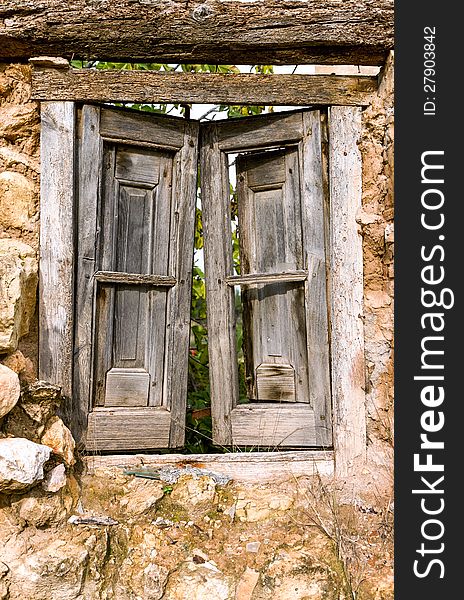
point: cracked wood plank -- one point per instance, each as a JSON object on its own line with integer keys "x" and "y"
{"x": 252, "y": 467}
{"x": 56, "y": 245}
{"x": 348, "y": 358}
{"x": 90, "y": 85}
{"x": 214, "y": 31}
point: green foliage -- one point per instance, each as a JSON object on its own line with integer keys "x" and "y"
{"x": 242, "y": 111}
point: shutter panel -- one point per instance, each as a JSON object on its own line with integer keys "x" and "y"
{"x": 280, "y": 197}
{"x": 268, "y": 190}
{"x": 136, "y": 211}
{"x": 131, "y": 318}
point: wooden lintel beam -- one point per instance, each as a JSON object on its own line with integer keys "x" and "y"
{"x": 134, "y": 279}
{"x": 90, "y": 85}
{"x": 200, "y": 31}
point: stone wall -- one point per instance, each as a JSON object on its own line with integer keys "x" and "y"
{"x": 184, "y": 536}
{"x": 376, "y": 222}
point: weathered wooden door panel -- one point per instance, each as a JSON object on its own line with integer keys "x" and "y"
{"x": 136, "y": 211}
{"x": 134, "y": 239}
{"x": 283, "y": 279}
{"x": 269, "y": 205}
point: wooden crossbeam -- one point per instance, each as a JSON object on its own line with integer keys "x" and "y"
{"x": 348, "y": 32}
{"x": 91, "y": 85}
{"x": 134, "y": 279}
{"x": 255, "y": 278}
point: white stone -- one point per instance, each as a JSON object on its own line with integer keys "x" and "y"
{"x": 41, "y": 400}
{"x": 55, "y": 479}
{"x": 154, "y": 580}
{"x": 260, "y": 505}
{"x": 41, "y": 510}
{"x": 141, "y": 496}
{"x": 10, "y": 390}
{"x": 21, "y": 463}
{"x": 365, "y": 218}
{"x": 4, "y": 593}
{"x": 390, "y": 233}
{"x": 198, "y": 582}
{"x": 253, "y": 546}
{"x": 377, "y": 299}
{"x": 54, "y": 571}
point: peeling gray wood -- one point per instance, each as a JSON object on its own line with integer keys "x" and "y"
{"x": 127, "y": 387}
{"x": 126, "y": 126}
{"x": 56, "y": 306}
{"x": 256, "y": 278}
{"x": 254, "y": 133}
{"x": 274, "y": 178}
{"x": 314, "y": 244}
{"x": 348, "y": 359}
{"x": 104, "y": 295}
{"x": 89, "y": 156}
{"x": 128, "y": 429}
{"x": 136, "y": 211}
{"x": 219, "y": 296}
{"x": 212, "y": 31}
{"x": 273, "y": 426}
{"x": 250, "y": 467}
{"x": 270, "y": 225}
{"x": 135, "y": 229}
{"x": 88, "y": 85}
{"x": 135, "y": 278}
{"x": 276, "y": 382}
{"x": 184, "y": 186}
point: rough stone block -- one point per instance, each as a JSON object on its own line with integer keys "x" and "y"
{"x": 9, "y": 390}
{"x": 21, "y": 464}
{"x": 18, "y": 201}
{"x": 18, "y": 284}
{"x": 60, "y": 440}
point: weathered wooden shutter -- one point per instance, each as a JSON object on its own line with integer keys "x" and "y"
{"x": 136, "y": 204}
{"x": 283, "y": 279}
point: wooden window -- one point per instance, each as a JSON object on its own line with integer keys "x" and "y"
{"x": 128, "y": 181}
{"x": 283, "y": 279}
{"x": 136, "y": 198}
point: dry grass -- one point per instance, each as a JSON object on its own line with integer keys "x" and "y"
{"x": 361, "y": 532}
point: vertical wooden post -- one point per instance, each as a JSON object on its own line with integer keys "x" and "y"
{"x": 89, "y": 156}
{"x": 220, "y": 297}
{"x": 56, "y": 244}
{"x": 348, "y": 361}
{"x": 316, "y": 288}
{"x": 186, "y": 169}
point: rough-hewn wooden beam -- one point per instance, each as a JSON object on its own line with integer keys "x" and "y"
{"x": 151, "y": 86}
{"x": 252, "y": 467}
{"x": 346, "y": 258}
{"x": 135, "y": 279}
{"x": 212, "y": 31}
{"x": 56, "y": 245}
{"x": 254, "y": 278}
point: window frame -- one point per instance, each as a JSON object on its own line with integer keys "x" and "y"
{"x": 57, "y": 258}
